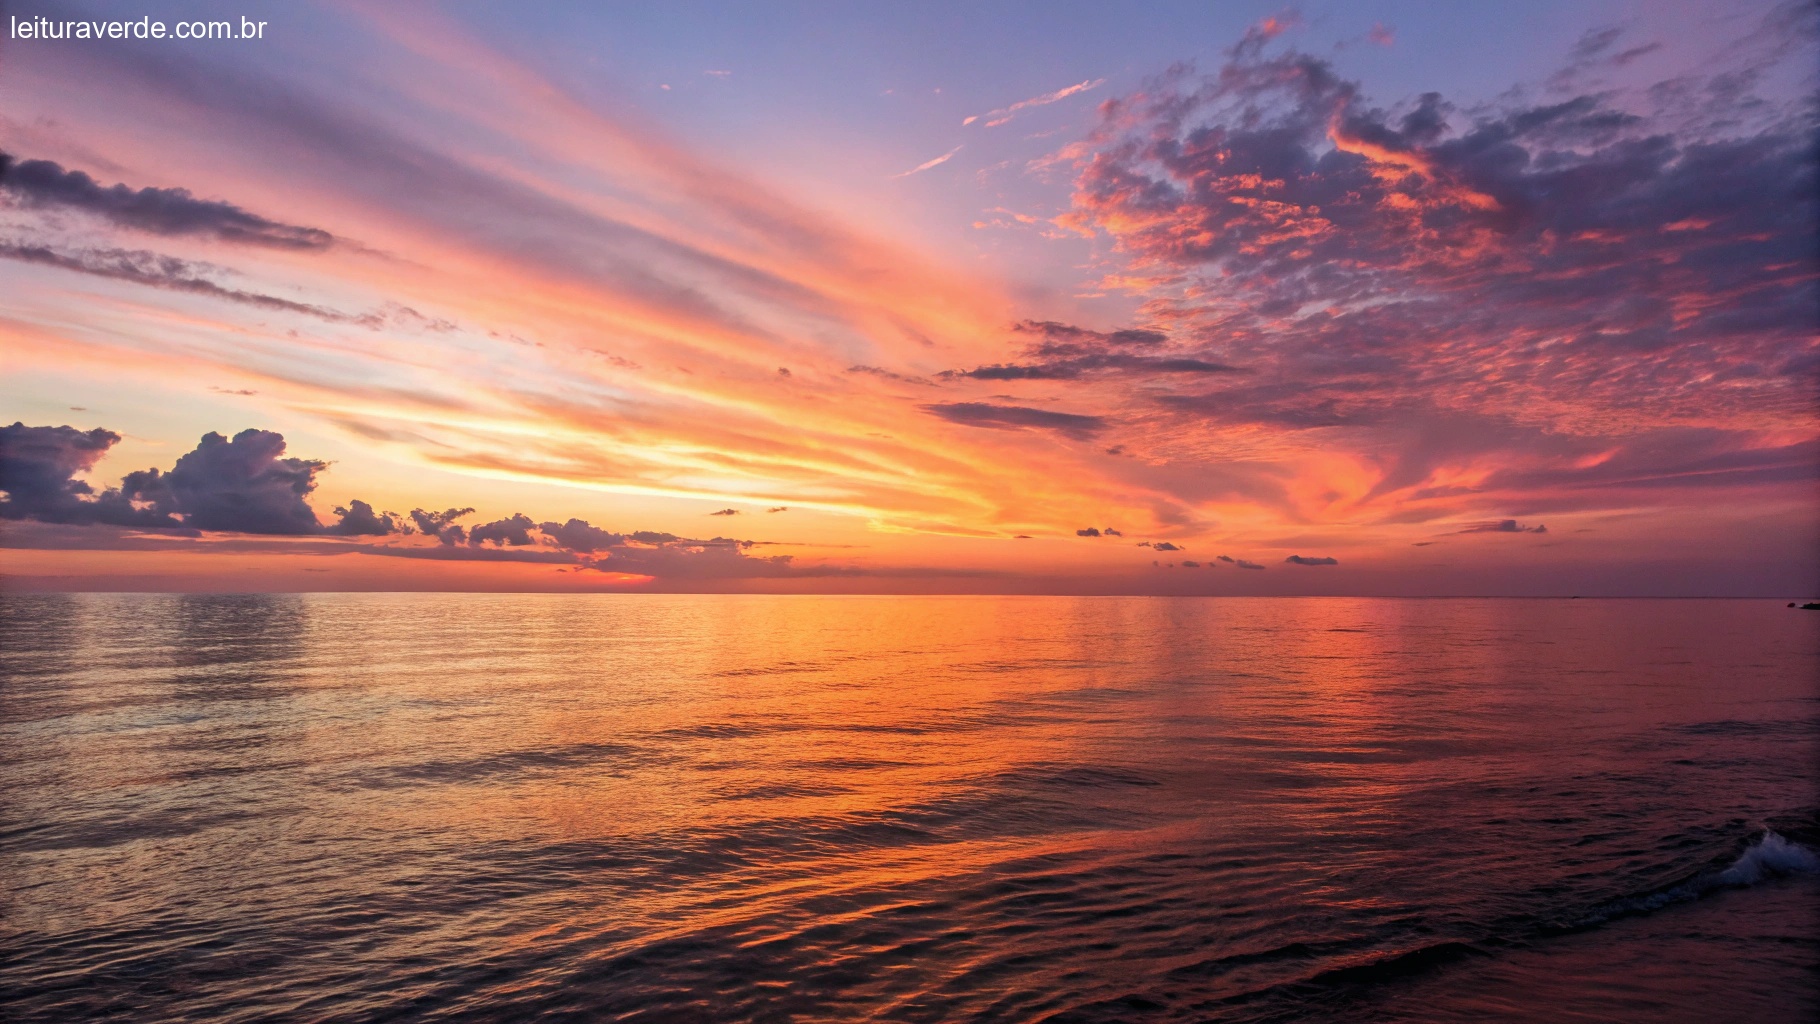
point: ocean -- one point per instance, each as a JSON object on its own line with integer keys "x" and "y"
{"x": 477, "y": 808}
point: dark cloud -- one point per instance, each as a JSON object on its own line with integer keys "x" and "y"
{"x": 240, "y": 485}
{"x": 442, "y": 525}
{"x": 1069, "y": 369}
{"x": 1504, "y": 526}
{"x": 1163, "y": 545}
{"x": 1065, "y": 352}
{"x": 726, "y": 512}
{"x": 1017, "y": 417}
{"x": 1527, "y": 285}
{"x": 359, "y": 520}
{"x": 248, "y": 485}
{"x": 158, "y": 211}
{"x": 1190, "y": 564}
{"x": 38, "y": 466}
{"x": 778, "y": 508}
{"x": 878, "y": 371}
{"x": 579, "y": 536}
{"x": 1091, "y": 531}
{"x": 512, "y": 531}
{"x": 169, "y": 273}
{"x": 1110, "y": 532}
{"x": 1240, "y": 562}
{"x": 1306, "y": 560}
{"x": 1055, "y": 337}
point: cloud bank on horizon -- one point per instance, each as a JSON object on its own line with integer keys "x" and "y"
{"x": 1400, "y": 332}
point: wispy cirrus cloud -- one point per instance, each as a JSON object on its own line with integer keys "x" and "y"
{"x": 1004, "y": 115}
{"x": 927, "y": 164}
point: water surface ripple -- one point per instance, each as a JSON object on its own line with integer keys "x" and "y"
{"x": 644, "y": 808}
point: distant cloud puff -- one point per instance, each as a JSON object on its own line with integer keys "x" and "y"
{"x": 1306, "y": 560}
{"x": 441, "y": 525}
{"x": 1163, "y": 545}
{"x": 726, "y": 512}
{"x": 1505, "y": 526}
{"x": 513, "y": 531}
{"x": 1091, "y": 531}
{"x": 358, "y": 519}
{"x": 579, "y": 536}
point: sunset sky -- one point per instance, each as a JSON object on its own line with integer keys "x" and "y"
{"x": 1223, "y": 298}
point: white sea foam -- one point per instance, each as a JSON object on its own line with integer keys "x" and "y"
{"x": 1771, "y": 856}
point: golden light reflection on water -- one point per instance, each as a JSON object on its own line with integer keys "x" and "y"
{"x": 839, "y": 808}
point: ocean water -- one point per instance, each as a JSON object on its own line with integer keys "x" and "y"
{"x": 804, "y": 809}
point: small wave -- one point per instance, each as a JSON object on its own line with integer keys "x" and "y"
{"x": 1770, "y": 855}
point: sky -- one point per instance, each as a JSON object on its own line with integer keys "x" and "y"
{"x": 1212, "y": 298}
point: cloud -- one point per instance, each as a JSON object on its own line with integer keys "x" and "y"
{"x": 1189, "y": 564}
{"x": 726, "y": 512}
{"x": 157, "y": 211}
{"x": 243, "y": 485}
{"x": 1534, "y": 289}
{"x": 442, "y": 525}
{"x": 1240, "y": 562}
{"x": 1016, "y": 417}
{"x": 38, "y": 466}
{"x": 1068, "y": 369}
{"x": 579, "y": 536}
{"x": 1306, "y": 560}
{"x": 1504, "y": 526}
{"x": 778, "y": 508}
{"x": 877, "y": 371}
{"x": 1065, "y": 352}
{"x": 927, "y": 164}
{"x": 247, "y": 485}
{"x": 1163, "y": 545}
{"x": 155, "y": 270}
{"x": 1004, "y": 114}
{"x": 1091, "y": 531}
{"x": 1056, "y": 337}
{"x": 1110, "y": 532}
{"x": 512, "y": 531}
{"x": 358, "y": 519}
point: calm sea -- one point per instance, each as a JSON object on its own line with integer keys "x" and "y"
{"x": 805, "y": 809}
